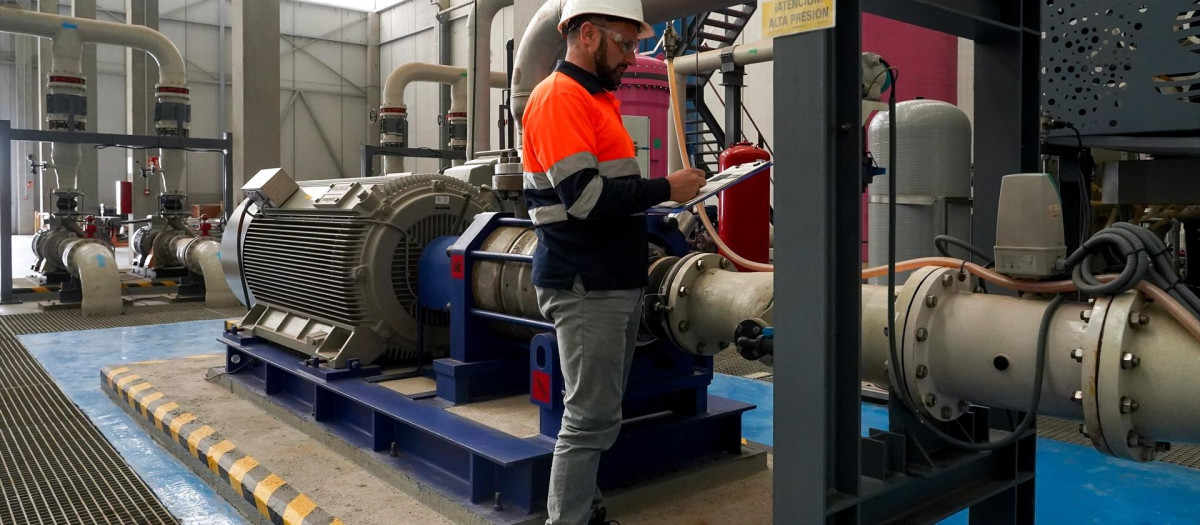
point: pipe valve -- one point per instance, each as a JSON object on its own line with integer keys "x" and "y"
{"x": 754, "y": 339}
{"x": 205, "y": 226}
{"x": 89, "y": 230}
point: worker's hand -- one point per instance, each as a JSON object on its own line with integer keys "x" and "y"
{"x": 685, "y": 184}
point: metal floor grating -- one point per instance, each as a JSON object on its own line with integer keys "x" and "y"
{"x": 55, "y": 466}
{"x": 729, "y": 362}
{"x": 71, "y": 320}
{"x": 1067, "y": 431}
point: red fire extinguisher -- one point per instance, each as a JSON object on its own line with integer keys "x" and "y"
{"x": 745, "y": 209}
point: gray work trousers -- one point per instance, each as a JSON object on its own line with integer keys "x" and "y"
{"x": 597, "y": 331}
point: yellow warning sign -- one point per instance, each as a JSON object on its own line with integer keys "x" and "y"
{"x": 787, "y": 17}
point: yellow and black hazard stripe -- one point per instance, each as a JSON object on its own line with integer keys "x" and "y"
{"x": 128, "y": 284}
{"x": 147, "y": 284}
{"x": 277, "y": 501}
{"x": 38, "y": 289}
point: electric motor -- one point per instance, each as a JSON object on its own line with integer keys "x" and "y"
{"x": 331, "y": 270}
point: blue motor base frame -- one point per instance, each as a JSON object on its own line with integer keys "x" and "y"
{"x": 494, "y": 474}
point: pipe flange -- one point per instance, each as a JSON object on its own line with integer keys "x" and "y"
{"x": 923, "y": 325}
{"x": 1088, "y": 372}
{"x": 163, "y": 247}
{"x": 656, "y": 313}
{"x": 184, "y": 254}
{"x": 1117, "y": 367}
{"x": 69, "y": 249}
{"x": 679, "y": 283}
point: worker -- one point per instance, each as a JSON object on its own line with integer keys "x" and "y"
{"x": 587, "y": 198}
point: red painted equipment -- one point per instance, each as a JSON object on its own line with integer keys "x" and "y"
{"x": 745, "y": 211}
{"x": 124, "y": 197}
{"x": 89, "y": 230}
{"x": 204, "y": 226}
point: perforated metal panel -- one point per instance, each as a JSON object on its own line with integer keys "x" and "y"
{"x": 1122, "y": 67}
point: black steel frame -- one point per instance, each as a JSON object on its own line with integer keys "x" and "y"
{"x": 369, "y": 152}
{"x": 824, "y": 471}
{"x": 8, "y": 135}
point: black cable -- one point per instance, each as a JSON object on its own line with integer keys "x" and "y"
{"x": 941, "y": 242}
{"x": 1086, "y": 165}
{"x": 897, "y": 369}
{"x": 249, "y": 361}
{"x": 893, "y": 121}
{"x": 1145, "y": 257}
{"x": 1030, "y": 414}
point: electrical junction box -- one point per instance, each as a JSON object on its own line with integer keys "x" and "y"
{"x": 1030, "y": 242}
{"x": 270, "y": 188}
{"x": 478, "y": 171}
{"x": 639, "y": 131}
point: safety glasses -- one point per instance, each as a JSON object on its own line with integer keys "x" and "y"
{"x": 623, "y": 42}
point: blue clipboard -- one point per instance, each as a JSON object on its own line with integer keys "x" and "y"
{"x": 715, "y": 184}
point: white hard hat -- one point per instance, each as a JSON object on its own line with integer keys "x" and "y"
{"x": 627, "y": 9}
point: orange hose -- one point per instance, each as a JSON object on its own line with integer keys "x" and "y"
{"x": 682, "y": 139}
{"x": 1168, "y": 303}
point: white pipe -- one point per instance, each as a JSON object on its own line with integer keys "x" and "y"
{"x": 543, "y": 45}
{"x": 65, "y": 158}
{"x": 202, "y": 255}
{"x": 700, "y": 63}
{"x": 743, "y": 55}
{"x": 479, "y": 105}
{"x": 96, "y": 267}
{"x": 171, "y": 70}
{"x": 68, "y": 33}
{"x": 457, "y": 77}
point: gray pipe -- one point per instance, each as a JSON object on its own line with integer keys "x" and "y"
{"x": 696, "y": 64}
{"x": 542, "y": 45}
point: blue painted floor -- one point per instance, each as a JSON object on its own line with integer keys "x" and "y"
{"x": 74, "y": 359}
{"x": 1075, "y": 484}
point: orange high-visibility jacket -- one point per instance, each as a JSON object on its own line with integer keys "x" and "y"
{"x": 583, "y": 187}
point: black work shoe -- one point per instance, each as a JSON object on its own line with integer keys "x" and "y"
{"x": 598, "y": 517}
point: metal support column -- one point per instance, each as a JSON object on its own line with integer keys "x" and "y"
{"x": 141, "y": 74}
{"x": 733, "y": 78}
{"x": 817, "y": 411}
{"x": 824, "y": 472}
{"x": 374, "y": 77}
{"x": 6, "y": 216}
{"x": 255, "y": 88}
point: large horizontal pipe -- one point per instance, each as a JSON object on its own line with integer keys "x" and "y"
{"x": 700, "y": 63}
{"x": 171, "y": 70}
{"x": 543, "y": 45}
{"x": 456, "y": 77}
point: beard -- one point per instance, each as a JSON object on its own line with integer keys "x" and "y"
{"x": 609, "y": 77}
